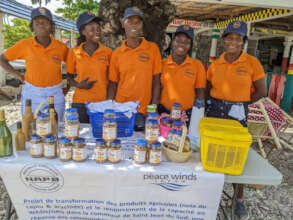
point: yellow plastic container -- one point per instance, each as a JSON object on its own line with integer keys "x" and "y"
{"x": 224, "y": 145}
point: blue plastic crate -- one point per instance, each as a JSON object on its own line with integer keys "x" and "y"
{"x": 125, "y": 125}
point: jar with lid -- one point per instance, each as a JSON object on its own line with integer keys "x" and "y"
{"x": 176, "y": 111}
{"x": 65, "y": 149}
{"x": 79, "y": 151}
{"x": 177, "y": 137}
{"x": 101, "y": 151}
{"x": 170, "y": 136}
{"x": 153, "y": 116}
{"x": 70, "y": 111}
{"x": 109, "y": 113}
{"x": 36, "y": 146}
{"x": 177, "y": 125}
{"x": 166, "y": 122}
{"x": 115, "y": 151}
{"x": 71, "y": 127}
{"x": 43, "y": 125}
{"x": 140, "y": 151}
{"x": 152, "y": 131}
{"x": 155, "y": 153}
{"x": 109, "y": 129}
{"x": 50, "y": 149}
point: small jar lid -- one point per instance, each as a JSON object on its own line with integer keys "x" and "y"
{"x": 156, "y": 145}
{"x": 36, "y": 137}
{"x": 50, "y": 138}
{"x": 179, "y": 132}
{"x": 71, "y": 110}
{"x": 152, "y": 122}
{"x": 177, "y": 123}
{"x": 115, "y": 143}
{"x": 72, "y": 118}
{"x": 109, "y": 111}
{"x": 165, "y": 120}
{"x": 79, "y": 141}
{"x": 64, "y": 140}
{"x": 175, "y": 104}
{"x": 100, "y": 142}
{"x": 141, "y": 142}
{"x": 43, "y": 115}
{"x": 153, "y": 115}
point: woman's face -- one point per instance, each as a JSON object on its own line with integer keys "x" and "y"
{"x": 133, "y": 27}
{"x": 233, "y": 43}
{"x": 42, "y": 27}
{"x": 92, "y": 32}
{"x": 181, "y": 44}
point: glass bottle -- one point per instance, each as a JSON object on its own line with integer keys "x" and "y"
{"x": 6, "y": 148}
{"x": 19, "y": 138}
{"x": 27, "y": 119}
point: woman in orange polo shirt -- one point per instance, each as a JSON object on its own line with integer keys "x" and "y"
{"x": 230, "y": 79}
{"x": 89, "y": 61}
{"x": 183, "y": 78}
{"x": 43, "y": 56}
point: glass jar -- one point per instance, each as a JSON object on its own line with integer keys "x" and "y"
{"x": 177, "y": 125}
{"x": 109, "y": 129}
{"x": 43, "y": 125}
{"x": 79, "y": 151}
{"x": 170, "y": 136}
{"x": 140, "y": 151}
{"x": 109, "y": 113}
{"x": 71, "y": 128}
{"x": 101, "y": 152}
{"x": 155, "y": 153}
{"x": 152, "y": 131}
{"x": 176, "y": 111}
{"x": 50, "y": 149}
{"x": 70, "y": 111}
{"x": 65, "y": 149}
{"x": 177, "y": 138}
{"x": 115, "y": 151}
{"x": 166, "y": 122}
{"x": 36, "y": 146}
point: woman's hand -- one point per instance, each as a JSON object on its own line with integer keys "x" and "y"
{"x": 86, "y": 84}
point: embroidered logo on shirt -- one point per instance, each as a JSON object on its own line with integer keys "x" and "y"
{"x": 102, "y": 59}
{"x": 241, "y": 71}
{"x": 56, "y": 58}
{"x": 189, "y": 72}
{"x": 144, "y": 57}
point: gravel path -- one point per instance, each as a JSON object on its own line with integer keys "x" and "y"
{"x": 269, "y": 203}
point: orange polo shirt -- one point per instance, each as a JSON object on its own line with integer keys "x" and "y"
{"x": 232, "y": 82}
{"x": 94, "y": 67}
{"x": 180, "y": 81}
{"x": 43, "y": 65}
{"x": 133, "y": 70}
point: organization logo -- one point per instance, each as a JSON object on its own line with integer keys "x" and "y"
{"x": 236, "y": 25}
{"x": 41, "y": 177}
{"x": 144, "y": 57}
{"x": 189, "y": 72}
{"x": 242, "y": 71}
{"x": 171, "y": 182}
{"x": 42, "y": 10}
{"x": 56, "y": 58}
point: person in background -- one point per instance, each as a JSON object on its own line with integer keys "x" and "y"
{"x": 135, "y": 67}
{"x": 43, "y": 56}
{"x": 89, "y": 63}
{"x": 183, "y": 78}
{"x": 230, "y": 79}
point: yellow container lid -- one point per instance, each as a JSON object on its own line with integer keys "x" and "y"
{"x": 219, "y": 122}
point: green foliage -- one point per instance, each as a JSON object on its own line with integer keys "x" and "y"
{"x": 39, "y": 2}
{"x": 73, "y": 8}
{"x": 13, "y": 33}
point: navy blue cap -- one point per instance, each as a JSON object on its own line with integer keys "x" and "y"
{"x": 100, "y": 142}
{"x": 133, "y": 11}
{"x": 186, "y": 29}
{"x": 50, "y": 138}
{"x": 41, "y": 11}
{"x": 156, "y": 145}
{"x": 141, "y": 142}
{"x": 177, "y": 123}
{"x": 85, "y": 18}
{"x": 237, "y": 27}
{"x": 79, "y": 141}
{"x": 64, "y": 140}
{"x": 115, "y": 143}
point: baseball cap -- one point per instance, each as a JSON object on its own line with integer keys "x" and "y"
{"x": 132, "y": 12}
{"x": 237, "y": 27}
{"x": 85, "y": 18}
{"x": 41, "y": 11}
{"x": 186, "y": 29}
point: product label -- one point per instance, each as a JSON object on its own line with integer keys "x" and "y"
{"x": 49, "y": 150}
{"x": 36, "y": 149}
{"x": 155, "y": 157}
{"x": 43, "y": 129}
{"x": 79, "y": 154}
{"x": 115, "y": 155}
{"x": 72, "y": 131}
{"x": 65, "y": 153}
{"x": 152, "y": 133}
{"x": 100, "y": 154}
{"x": 109, "y": 133}
{"x": 176, "y": 114}
{"x": 139, "y": 156}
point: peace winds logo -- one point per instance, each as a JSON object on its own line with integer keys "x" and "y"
{"x": 171, "y": 182}
{"x": 42, "y": 10}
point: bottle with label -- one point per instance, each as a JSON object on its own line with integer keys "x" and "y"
{"x": 6, "y": 148}
{"x": 19, "y": 138}
{"x": 176, "y": 111}
{"x": 53, "y": 121}
{"x": 43, "y": 125}
{"x": 27, "y": 119}
{"x": 51, "y": 106}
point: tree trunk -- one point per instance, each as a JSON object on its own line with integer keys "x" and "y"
{"x": 157, "y": 15}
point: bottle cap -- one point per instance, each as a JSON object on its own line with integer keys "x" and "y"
{"x": 156, "y": 145}
{"x": 109, "y": 111}
{"x": 19, "y": 125}
{"x": 35, "y": 137}
{"x": 28, "y": 102}
{"x": 141, "y": 142}
{"x": 153, "y": 115}
{"x": 71, "y": 110}
{"x": 152, "y": 122}
{"x": 100, "y": 142}
{"x": 72, "y": 118}
{"x": 165, "y": 120}
{"x": 79, "y": 141}
{"x": 115, "y": 143}
{"x": 64, "y": 140}
{"x": 177, "y": 105}
{"x": 50, "y": 138}
{"x": 177, "y": 123}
